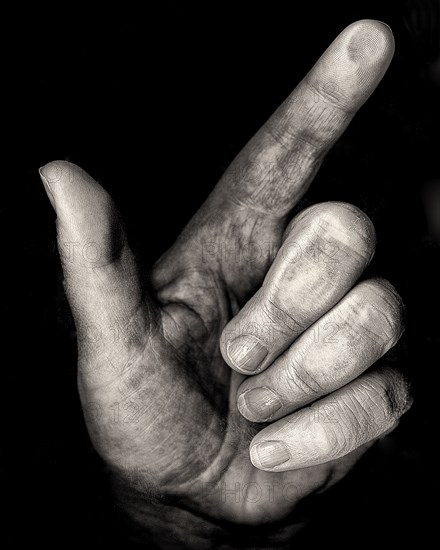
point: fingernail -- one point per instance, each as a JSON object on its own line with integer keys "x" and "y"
{"x": 258, "y": 404}
{"x": 387, "y": 26}
{"x": 272, "y": 453}
{"x": 246, "y": 352}
{"x": 46, "y": 186}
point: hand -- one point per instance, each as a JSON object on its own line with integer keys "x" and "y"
{"x": 234, "y": 382}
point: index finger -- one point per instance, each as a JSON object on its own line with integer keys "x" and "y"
{"x": 275, "y": 168}
{"x": 239, "y": 228}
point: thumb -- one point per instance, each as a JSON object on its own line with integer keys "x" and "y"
{"x": 101, "y": 278}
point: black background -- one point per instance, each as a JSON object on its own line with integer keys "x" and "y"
{"x": 155, "y": 107}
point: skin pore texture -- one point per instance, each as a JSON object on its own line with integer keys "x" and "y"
{"x": 222, "y": 370}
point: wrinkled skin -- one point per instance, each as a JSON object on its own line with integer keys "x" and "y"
{"x": 158, "y": 386}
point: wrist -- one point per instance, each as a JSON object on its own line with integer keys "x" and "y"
{"x": 148, "y": 518}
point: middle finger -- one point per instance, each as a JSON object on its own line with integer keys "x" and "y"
{"x": 326, "y": 249}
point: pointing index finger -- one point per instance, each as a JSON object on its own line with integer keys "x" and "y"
{"x": 288, "y": 149}
{"x": 248, "y": 209}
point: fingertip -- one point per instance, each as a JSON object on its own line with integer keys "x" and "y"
{"x": 270, "y": 455}
{"x": 253, "y": 455}
{"x": 57, "y": 172}
{"x": 58, "y": 176}
{"x": 352, "y": 66}
{"x": 46, "y": 185}
{"x": 368, "y": 24}
{"x": 369, "y": 41}
{"x": 70, "y": 188}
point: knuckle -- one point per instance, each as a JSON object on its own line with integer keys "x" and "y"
{"x": 345, "y": 217}
{"x": 309, "y": 142}
{"x": 375, "y": 402}
{"x": 379, "y": 311}
{"x": 298, "y": 381}
{"x": 384, "y": 397}
{"x": 280, "y": 318}
{"x": 341, "y": 223}
{"x": 328, "y": 93}
{"x": 312, "y": 145}
{"x": 348, "y": 433}
{"x": 399, "y": 391}
{"x": 337, "y": 440}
